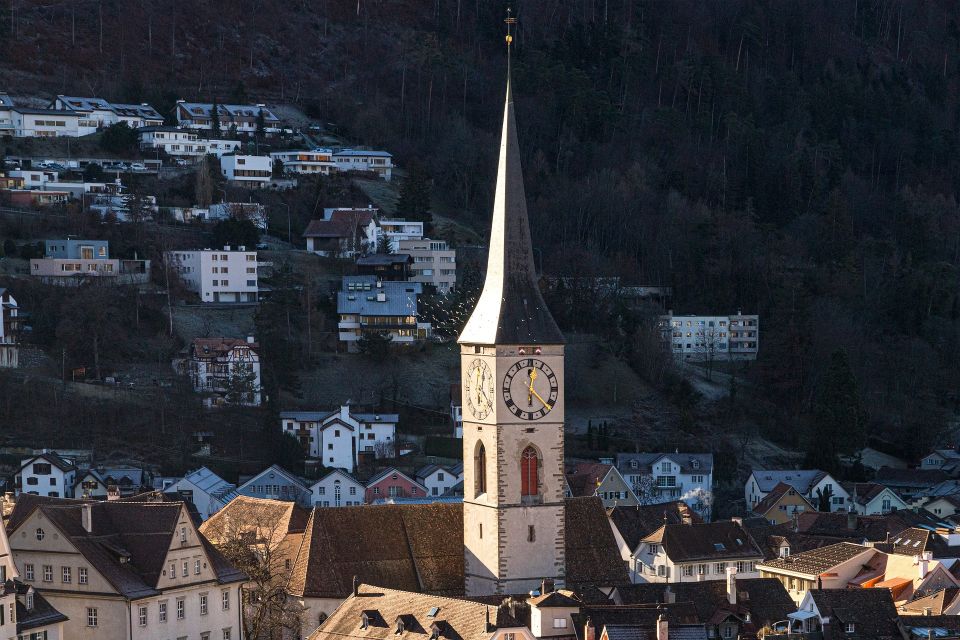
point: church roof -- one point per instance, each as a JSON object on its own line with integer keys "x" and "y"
{"x": 511, "y": 309}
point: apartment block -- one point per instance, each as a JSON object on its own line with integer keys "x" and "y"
{"x": 705, "y": 338}
{"x": 228, "y": 275}
{"x": 434, "y": 263}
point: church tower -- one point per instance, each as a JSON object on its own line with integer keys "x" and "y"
{"x": 511, "y": 362}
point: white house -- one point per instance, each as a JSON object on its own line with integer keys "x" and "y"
{"x": 46, "y": 474}
{"x": 317, "y": 161}
{"x": 368, "y": 306}
{"x": 9, "y": 327}
{"x": 106, "y": 113}
{"x": 206, "y": 490}
{"x": 343, "y": 232}
{"x": 396, "y": 229}
{"x": 247, "y": 171}
{"x": 276, "y": 483}
{"x": 240, "y": 117}
{"x": 438, "y": 479}
{"x": 228, "y": 275}
{"x": 947, "y": 460}
{"x": 183, "y": 143}
{"x": 50, "y": 123}
{"x": 870, "y": 499}
{"x": 696, "y": 553}
{"x": 664, "y": 477}
{"x": 337, "y": 489}
{"x": 218, "y": 366}
{"x": 100, "y": 481}
{"x": 34, "y": 178}
{"x": 337, "y": 438}
{"x": 379, "y": 162}
{"x": 732, "y": 337}
{"x": 810, "y": 483}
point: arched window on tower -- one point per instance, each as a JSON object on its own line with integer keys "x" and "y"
{"x": 529, "y": 476}
{"x": 480, "y": 470}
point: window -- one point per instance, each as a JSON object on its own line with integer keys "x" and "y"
{"x": 322, "y": 491}
{"x": 559, "y": 623}
{"x": 226, "y": 634}
{"x": 28, "y": 571}
{"x": 225, "y": 600}
{"x": 480, "y": 470}
{"x": 181, "y": 611}
{"x": 183, "y": 534}
{"x": 662, "y": 570}
{"x": 40, "y": 534}
{"x": 720, "y": 567}
{"x": 66, "y": 575}
{"x": 687, "y": 570}
{"x": 196, "y": 567}
{"x": 529, "y": 473}
{"x": 851, "y": 627}
{"x": 173, "y": 570}
{"x": 531, "y": 534}
{"x": 728, "y": 631}
{"x": 47, "y": 573}
{"x": 701, "y": 569}
{"x": 162, "y": 617}
{"x": 652, "y": 549}
{"x": 186, "y": 568}
{"x": 203, "y": 604}
{"x": 142, "y": 617}
{"x": 740, "y": 566}
{"x": 91, "y": 616}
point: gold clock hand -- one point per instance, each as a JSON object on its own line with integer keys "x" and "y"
{"x": 545, "y": 403}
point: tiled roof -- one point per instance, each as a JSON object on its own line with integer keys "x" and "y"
{"x": 220, "y": 346}
{"x": 625, "y": 632}
{"x": 420, "y": 548}
{"x": 911, "y": 541}
{"x": 584, "y": 478}
{"x": 129, "y": 541}
{"x": 864, "y": 492}
{"x": 53, "y": 458}
{"x": 870, "y": 610}
{"x": 919, "y": 624}
{"x": 342, "y": 223}
{"x": 637, "y": 522}
{"x": 42, "y": 614}
{"x": 275, "y": 470}
{"x": 936, "y": 602}
{"x": 374, "y": 613}
{"x": 204, "y": 110}
{"x": 801, "y": 480}
{"x": 645, "y": 462}
{"x": 555, "y": 599}
{"x": 268, "y": 518}
{"x": 772, "y": 498}
{"x": 892, "y": 477}
{"x": 818, "y": 561}
{"x": 765, "y": 599}
{"x": 705, "y": 541}
{"x": 678, "y": 615}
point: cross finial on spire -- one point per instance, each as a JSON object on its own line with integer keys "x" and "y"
{"x": 510, "y": 20}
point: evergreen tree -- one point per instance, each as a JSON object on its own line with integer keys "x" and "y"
{"x": 590, "y": 435}
{"x": 414, "y": 201}
{"x": 215, "y": 119}
{"x": 839, "y": 418}
{"x": 261, "y": 125}
{"x": 241, "y": 385}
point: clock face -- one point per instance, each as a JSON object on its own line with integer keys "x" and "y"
{"x": 478, "y": 387}
{"x": 530, "y": 389}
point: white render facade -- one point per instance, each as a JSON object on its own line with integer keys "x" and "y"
{"x": 182, "y": 143}
{"x": 807, "y": 482}
{"x": 317, "y": 161}
{"x": 46, "y": 475}
{"x": 9, "y": 314}
{"x": 434, "y": 263}
{"x": 247, "y": 171}
{"x": 706, "y": 338}
{"x": 664, "y": 477}
{"x": 229, "y": 275}
{"x": 394, "y": 230}
{"x": 379, "y": 162}
{"x": 337, "y": 489}
{"x": 337, "y": 438}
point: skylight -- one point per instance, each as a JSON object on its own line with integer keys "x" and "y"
{"x": 433, "y": 612}
{"x": 718, "y": 546}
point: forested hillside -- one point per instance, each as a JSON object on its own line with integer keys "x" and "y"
{"x": 794, "y": 159}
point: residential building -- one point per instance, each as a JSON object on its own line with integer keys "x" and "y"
{"x": 706, "y": 338}
{"x": 782, "y": 504}
{"x": 630, "y": 525}
{"x": 184, "y": 143}
{"x": 434, "y": 263}
{"x": 733, "y": 608}
{"x": 107, "y": 113}
{"x": 395, "y": 267}
{"x": 228, "y": 275}
{"x": 241, "y": 118}
{"x": 247, "y": 171}
{"x": 909, "y": 483}
{"x": 829, "y": 567}
{"x": 601, "y": 480}
{"x": 439, "y": 479}
{"x": 456, "y": 415}
{"x": 118, "y": 202}
{"x": 870, "y": 499}
{"x": 380, "y": 610}
{"x": 206, "y": 490}
{"x": 337, "y": 489}
{"x": 343, "y": 233}
{"x": 71, "y": 262}
{"x": 339, "y": 437}
{"x": 394, "y": 230}
{"x": 30, "y": 198}
{"x": 947, "y": 460}
{"x": 100, "y": 482}
{"x": 846, "y": 614}
{"x": 46, "y": 474}
{"x": 50, "y": 123}
{"x": 378, "y": 162}
{"x": 120, "y": 569}
{"x": 368, "y": 306}
{"x": 393, "y": 483}
{"x": 810, "y": 483}
{"x": 317, "y": 161}
{"x": 695, "y": 553}
{"x": 228, "y": 369}
{"x": 252, "y": 211}
{"x": 34, "y": 178}
{"x": 943, "y": 505}
{"x": 9, "y": 330}
{"x": 276, "y": 483}
{"x": 664, "y": 477}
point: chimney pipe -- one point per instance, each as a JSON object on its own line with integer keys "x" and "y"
{"x": 588, "y": 632}
{"x": 86, "y": 517}
{"x": 851, "y": 519}
{"x": 356, "y": 586}
{"x": 922, "y": 565}
{"x": 663, "y": 628}
{"x": 732, "y": 585}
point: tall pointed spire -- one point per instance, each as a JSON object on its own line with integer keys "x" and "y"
{"x": 511, "y": 309}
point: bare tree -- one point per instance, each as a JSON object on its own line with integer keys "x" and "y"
{"x": 254, "y": 538}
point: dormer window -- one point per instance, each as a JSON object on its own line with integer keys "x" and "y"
{"x": 634, "y": 464}
{"x": 851, "y": 627}
{"x": 29, "y": 602}
{"x": 696, "y": 464}
{"x": 399, "y": 626}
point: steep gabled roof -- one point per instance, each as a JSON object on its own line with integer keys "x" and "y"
{"x": 705, "y": 541}
{"x": 817, "y": 561}
{"x": 637, "y": 522}
{"x": 871, "y": 611}
{"x": 584, "y": 478}
{"x": 632, "y": 463}
{"x": 802, "y": 480}
{"x": 770, "y": 501}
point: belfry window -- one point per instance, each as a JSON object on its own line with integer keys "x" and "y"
{"x": 480, "y": 470}
{"x": 529, "y": 475}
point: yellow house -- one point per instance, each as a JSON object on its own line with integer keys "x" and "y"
{"x": 781, "y": 504}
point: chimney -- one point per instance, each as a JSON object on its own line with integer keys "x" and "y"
{"x": 928, "y": 611}
{"x": 226, "y": 247}
{"x": 546, "y": 586}
{"x": 113, "y": 492}
{"x": 588, "y": 631}
{"x": 356, "y": 586}
{"x": 851, "y": 519}
{"x": 796, "y": 521}
{"x": 737, "y": 521}
{"x": 86, "y": 517}
{"x": 922, "y": 564}
{"x": 381, "y": 296}
{"x": 669, "y": 597}
{"x": 732, "y": 585}
{"x": 663, "y": 628}
{"x": 251, "y": 340}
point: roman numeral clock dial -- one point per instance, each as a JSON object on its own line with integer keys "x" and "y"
{"x": 530, "y": 389}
